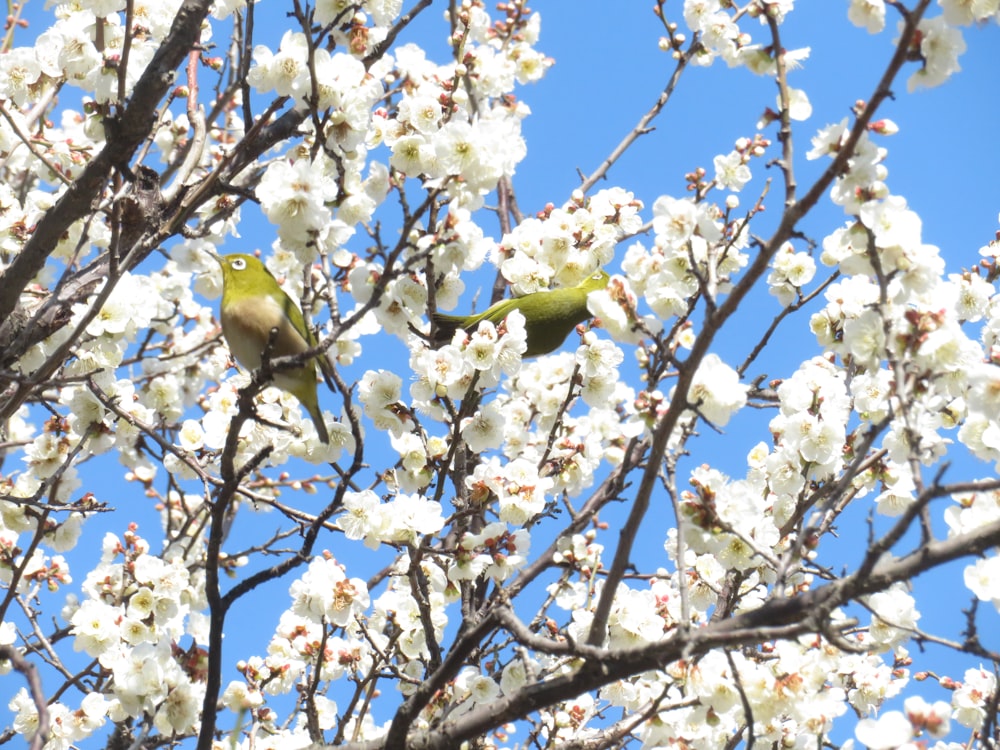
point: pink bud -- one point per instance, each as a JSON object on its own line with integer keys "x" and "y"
{"x": 884, "y": 127}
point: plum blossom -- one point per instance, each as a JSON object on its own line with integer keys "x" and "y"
{"x": 380, "y": 393}
{"x": 982, "y": 577}
{"x": 895, "y": 614}
{"x": 967, "y": 12}
{"x": 484, "y": 430}
{"x": 95, "y": 625}
{"x": 790, "y": 272}
{"x": 20, "y": 70}
{"x": 799, "y": 106}
{"x": 891, "y": 222}
{"x": 869, "y": 14}
{"x": 940, "y": 47}
{"x": 828, "y": 140}
{"x": 325, "y": 593}
{"x": 295, "y": 196}
{"x": 927, "y": 717}
{"x": 281, "y": 72}
{"x": 971, "y": 697}
{"x": 363, "y": 517}
{"x": 716, "y": 391}
{"x": 731, "y": 171}
{"x": 888, "y": 732}
{"x": 411, "y": 517}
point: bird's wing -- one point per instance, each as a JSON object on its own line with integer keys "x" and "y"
{"x": 495, "y": 313}
{"x": 294, "y": 316}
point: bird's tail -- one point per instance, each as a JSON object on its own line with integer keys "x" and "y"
{"x": 317, "y": 417}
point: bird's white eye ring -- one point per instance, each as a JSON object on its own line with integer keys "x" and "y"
{"x": 238, "y": 264}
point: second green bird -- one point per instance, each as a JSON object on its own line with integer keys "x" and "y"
{"x": 254, "y": 304}
{"x": 549, "y": 316}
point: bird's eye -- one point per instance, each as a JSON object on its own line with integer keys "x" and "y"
{"x": 238, "y": 264}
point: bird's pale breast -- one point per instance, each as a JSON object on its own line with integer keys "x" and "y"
{"x": 247, "y": 326}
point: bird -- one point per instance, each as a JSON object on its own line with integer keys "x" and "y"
{"x": 253, "y": 304}
{"x": 549, "y": 316}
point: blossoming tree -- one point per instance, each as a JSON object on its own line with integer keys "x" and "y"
{"x": 466, "y": 562}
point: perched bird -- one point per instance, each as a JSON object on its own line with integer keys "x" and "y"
{"x": 549, "y": 316}
{"x": 253, "y": 303}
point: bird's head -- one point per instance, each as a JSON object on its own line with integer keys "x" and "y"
{"x": 242, "y": 271}
{"x": 596, "y": 281}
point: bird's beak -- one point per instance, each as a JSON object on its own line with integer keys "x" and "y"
{"x": 217, "y": 258}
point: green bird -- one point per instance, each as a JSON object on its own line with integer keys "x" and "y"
{"x": 253, "y": 304}
{"x": 549, "y": 316}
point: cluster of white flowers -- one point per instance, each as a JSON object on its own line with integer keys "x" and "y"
{"x": 716, "y": 392}
{"x": 938, "y": 42}
{"x": 898, "y": 729}
{"x": 84, "y": 49}
{"x": 66, "y": 727}
{"x": 811, "y": 428}
{"x": 572, "y": 447}
{"x": 482, "y": 357}
{"x": 722, "y": 37}
{"x": 138, "y": 607}
{"x": 790, "y": 271}
{"x": 103, "y": 411}
{"x": 495, "y": 552}
{"x": 897, "y": 322}
{"x": 581, "y": 555}
{"x": 451, "y": 137}
{"x": 563, "y": 246}
{"x": 333, "y": 631}
{"x": 973, "y": 511}
{"x": 404, "y": 519}
{"x": 433, "y": 136}
{"x": 317, "y": 201}
{"x": 325, "y": 594}
{"x": 688, "y": 248}
{"x": 798, "y": 690}
{"x": 733, "y": 523}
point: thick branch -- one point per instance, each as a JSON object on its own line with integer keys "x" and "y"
{"x": 130, "y": 129}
